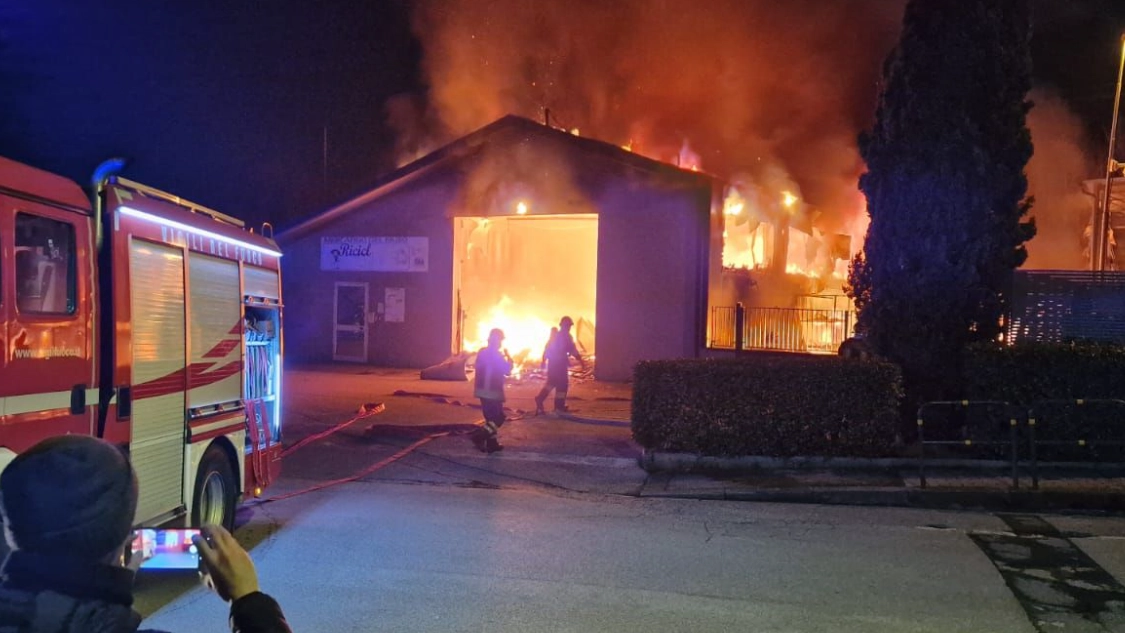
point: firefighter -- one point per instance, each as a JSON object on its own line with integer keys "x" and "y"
{"x": 67, "y": 505}
{"x": 560, "y": 348}
{"x": 492, "y": 367}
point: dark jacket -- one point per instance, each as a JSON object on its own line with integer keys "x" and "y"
{"x": 559, "y": 348}
{"x": 44, "y": 594}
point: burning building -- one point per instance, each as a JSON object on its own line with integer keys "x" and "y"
{"x": 1114, "y": 222}
{"x": 511, "y": 226}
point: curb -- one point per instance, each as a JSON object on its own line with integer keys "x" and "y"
{"x": 660, "y": 461}
{"x": 992, "y": 501}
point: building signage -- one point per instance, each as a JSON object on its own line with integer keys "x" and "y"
{"x": 375, "y": 254}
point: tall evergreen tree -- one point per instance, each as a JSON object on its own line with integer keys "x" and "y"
{"x": 945, "y": 186}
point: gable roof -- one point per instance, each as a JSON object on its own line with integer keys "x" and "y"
{"x": 475, "y": 142}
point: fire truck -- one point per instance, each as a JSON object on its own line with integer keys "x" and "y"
{"x": 144, "y": 319}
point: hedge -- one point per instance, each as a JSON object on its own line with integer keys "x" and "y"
{"x": 777, "y": 406}
{"x": 1025, "y": 373}
{"x": 1030, "y": 374}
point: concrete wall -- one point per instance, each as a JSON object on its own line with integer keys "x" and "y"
{"x": 416, "y": 210}
{"x": 653, "y": 258}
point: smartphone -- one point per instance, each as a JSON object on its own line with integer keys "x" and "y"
{"x": 165, "y": 549}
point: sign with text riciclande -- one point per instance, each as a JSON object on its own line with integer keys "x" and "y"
{"x": 375, "y": 254}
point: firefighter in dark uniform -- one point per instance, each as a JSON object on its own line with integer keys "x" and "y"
{"x": 492, "y": 367}
{"x": 557, "y": 356}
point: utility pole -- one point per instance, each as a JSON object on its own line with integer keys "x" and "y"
{"x": 1101, "y": 226}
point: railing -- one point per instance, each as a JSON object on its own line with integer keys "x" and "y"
{"x": 780, "y": 329}
{"x": 968, "y": 431}
{"x": 1003, "y": 427}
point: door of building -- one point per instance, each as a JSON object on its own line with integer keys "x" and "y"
{"x": 349, "y": 332}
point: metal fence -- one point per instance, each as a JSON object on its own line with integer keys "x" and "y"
{"x": 1058, "y": 306}
{"x": 780, "y": 329}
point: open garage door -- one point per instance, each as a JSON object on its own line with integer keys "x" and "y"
{"x": 522, "y": 274}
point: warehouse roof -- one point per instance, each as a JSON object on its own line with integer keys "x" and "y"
{"x": 509, "y": 129}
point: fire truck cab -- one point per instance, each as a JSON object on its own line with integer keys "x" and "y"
{"x": 146, "y": 320}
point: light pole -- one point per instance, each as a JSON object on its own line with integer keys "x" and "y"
{"x": 1101, "y": 227}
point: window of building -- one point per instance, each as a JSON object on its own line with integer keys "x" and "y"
{"x": 46, "y": 270}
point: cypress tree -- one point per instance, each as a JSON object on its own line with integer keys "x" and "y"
{"x": 945, "y": 187}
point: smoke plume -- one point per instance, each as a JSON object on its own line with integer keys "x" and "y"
{"x": 752, "y": 87}
{"x": 1061, "y": 162}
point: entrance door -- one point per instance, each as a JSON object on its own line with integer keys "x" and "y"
{"x": 349, "y": 333}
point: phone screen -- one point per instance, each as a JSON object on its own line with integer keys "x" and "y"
{"x": 165, "y": 549}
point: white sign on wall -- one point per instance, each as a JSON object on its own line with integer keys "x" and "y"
{"x": 395, "y": 310}
{"x": 375, "y": 254}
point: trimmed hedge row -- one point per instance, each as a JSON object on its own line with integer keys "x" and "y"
{"x": 1030, "y": 374}
{"x": 1022, "y": 374}
{"x": 778, "y": 406}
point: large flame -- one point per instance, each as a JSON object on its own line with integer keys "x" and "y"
{"x": 750, "y": 233}
{"x": 527, "y": 329}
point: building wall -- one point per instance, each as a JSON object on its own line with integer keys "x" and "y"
{"x": 653, "y": 258}
{"x": 418, "y": 209}
{"x": 656, "y": 247}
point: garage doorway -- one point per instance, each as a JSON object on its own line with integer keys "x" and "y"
{"x": 522, "y": 274}
{"x": 349, "y": 318}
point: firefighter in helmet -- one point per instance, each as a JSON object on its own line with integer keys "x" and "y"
{"x": 556, "y": 356}
{"x": 493, "y": 365}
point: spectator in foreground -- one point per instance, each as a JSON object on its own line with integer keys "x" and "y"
{"x": 68, "y": 505}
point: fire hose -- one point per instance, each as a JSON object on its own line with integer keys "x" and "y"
{"x": 365, "y": 411}
{"x": 363, "y": 473}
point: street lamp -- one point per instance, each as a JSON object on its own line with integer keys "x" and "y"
{"x": 1101, "y": 226}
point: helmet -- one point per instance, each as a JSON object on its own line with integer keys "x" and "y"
{"x": 566, "y": 322}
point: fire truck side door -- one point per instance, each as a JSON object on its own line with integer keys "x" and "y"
{"x": 47, "y": 374}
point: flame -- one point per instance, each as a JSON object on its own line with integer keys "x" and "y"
{"x": 526, "y": 332}
{"x": 521, "y": 208}
{"x": 788, "y": 199}
{"x": 745, "y": 243}
{"x": 688, "y": 159}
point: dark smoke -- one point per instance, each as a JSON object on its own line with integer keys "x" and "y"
{"x": 754, "y": 86}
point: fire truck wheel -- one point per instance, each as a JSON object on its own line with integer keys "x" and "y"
{"x": 214, "y": 490}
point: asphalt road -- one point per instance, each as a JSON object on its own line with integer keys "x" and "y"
{"x": 377, "y": 556}
{"x": 548, "y": 536}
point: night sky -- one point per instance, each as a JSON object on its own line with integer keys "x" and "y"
{"x": 227, "y": 103}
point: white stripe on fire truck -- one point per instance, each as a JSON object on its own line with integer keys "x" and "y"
{"x": 39, "y": 402}
{"x": 219, "y": 424}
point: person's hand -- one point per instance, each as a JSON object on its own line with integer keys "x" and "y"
{"x": 231, "y": 569}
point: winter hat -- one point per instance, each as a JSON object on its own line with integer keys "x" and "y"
{"x": 71, "y": 495}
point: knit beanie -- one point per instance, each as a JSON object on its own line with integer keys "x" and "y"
{"x": 71, "y": 495}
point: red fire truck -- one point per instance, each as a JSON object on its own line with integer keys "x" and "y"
{"x": 146, "y": 320}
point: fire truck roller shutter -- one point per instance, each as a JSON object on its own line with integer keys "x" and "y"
{"x": 159, "y": 361}
{"x": 261, "y": 282}
{"x": 215, "y": 328}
